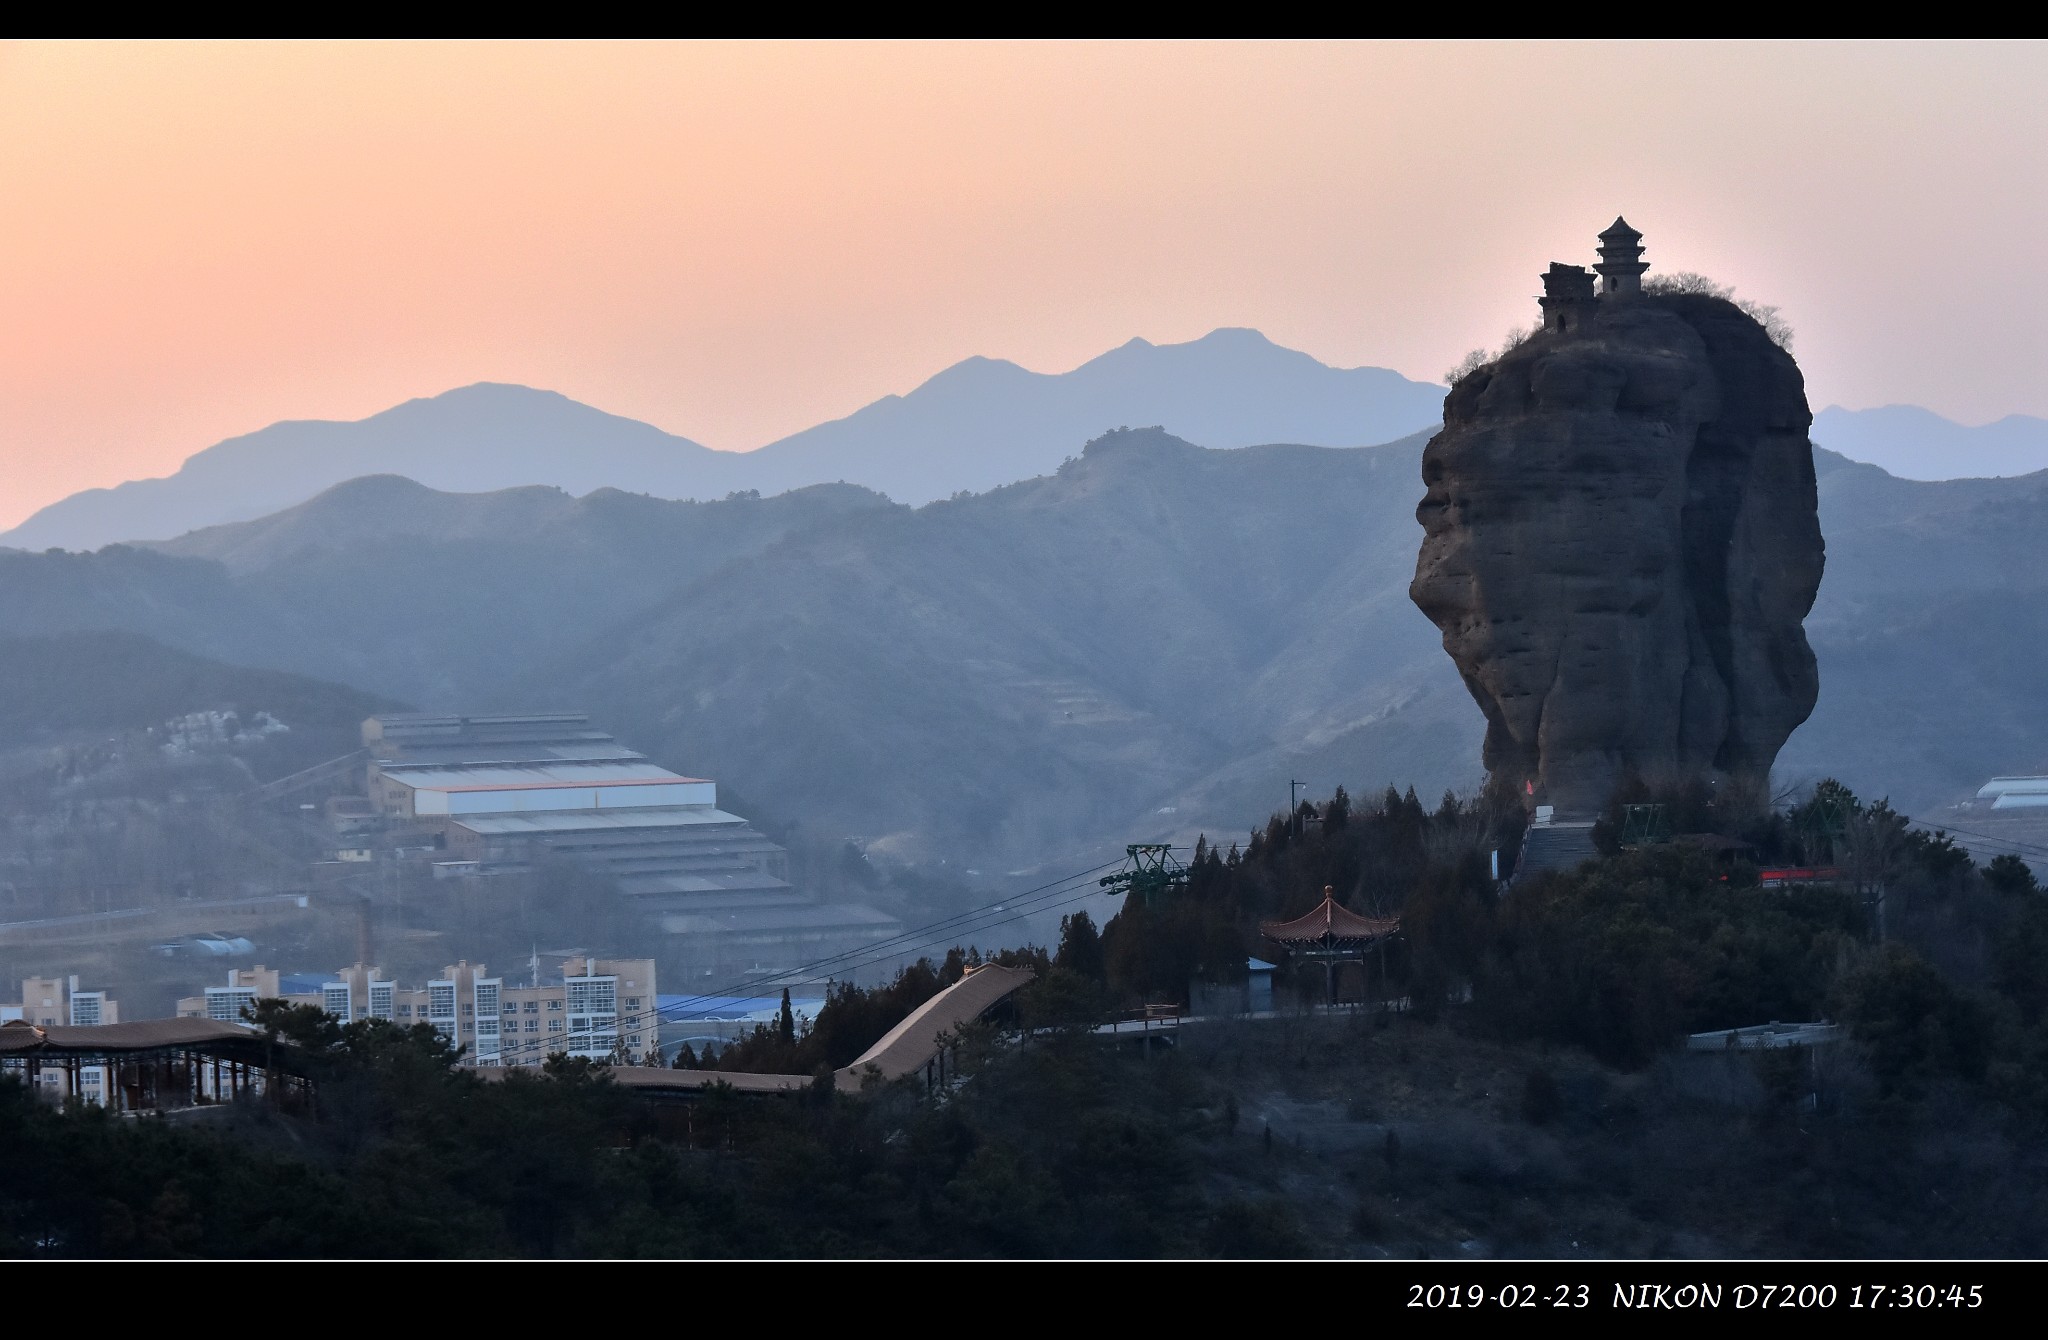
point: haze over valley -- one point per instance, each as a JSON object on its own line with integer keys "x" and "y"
{"x": 1147, "y": 641}
{"x": 976, "y": 425}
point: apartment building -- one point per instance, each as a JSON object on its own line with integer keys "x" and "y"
{"x": 57, "y": 1000}
{"x": 576, "y": 1004}
{"x": 244, "y": 987}
{"x": 48, "y": 1001}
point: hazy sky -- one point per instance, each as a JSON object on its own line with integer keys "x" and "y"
{"x": 736, "y": 241}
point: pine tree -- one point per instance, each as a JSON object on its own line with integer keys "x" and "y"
{"x": 1080, "y": 950}
{"x": 1337, "y": 813}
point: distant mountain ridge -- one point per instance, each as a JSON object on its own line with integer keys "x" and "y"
{"x": 1146, "y": 643}
{"x": 1914, "y": 443}
{"x": 983, "y": 423}
{"x": 472, "y": 440}
{"x": 979, "y": 424}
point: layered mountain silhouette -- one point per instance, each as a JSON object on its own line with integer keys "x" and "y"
{"x": 475, "y": 439}
{"x": 1915, "y": 443}
{"x": 1150, "y": 641}
{"x": 978, "y": 424}
{"x": 984, "y": 422}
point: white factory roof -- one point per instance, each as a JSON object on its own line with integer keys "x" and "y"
{"x": 748, "y": 881}
{"x": 512, "y": 777}
{"x": 849, "y": 917}
{"x": 2015, "y": 793}
{"x": 1998, "y": 786}
{"x": 583, "y": 821}
{"x": 505, "y": 754}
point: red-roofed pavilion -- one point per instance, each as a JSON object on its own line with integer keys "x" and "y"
{"x": 1331, "y": 934}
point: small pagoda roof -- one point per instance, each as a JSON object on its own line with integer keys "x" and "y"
{"x": 1329, "y": 921}
{"x": 1620, "y": 228}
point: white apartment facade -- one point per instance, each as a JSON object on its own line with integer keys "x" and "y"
{"x": 599, "y": 1009}
{"x": 53, "y": 1001}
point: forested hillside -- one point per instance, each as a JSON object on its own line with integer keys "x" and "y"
{"x": 1147, "y": 643}
{"x": 73, "y": 685}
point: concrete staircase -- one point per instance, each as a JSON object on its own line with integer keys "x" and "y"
{"x": 1554, "y": 846}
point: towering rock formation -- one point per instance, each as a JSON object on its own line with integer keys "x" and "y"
{"x": 1621, "y": 540}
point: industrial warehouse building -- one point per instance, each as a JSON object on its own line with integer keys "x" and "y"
{"x": 501, "y": 791}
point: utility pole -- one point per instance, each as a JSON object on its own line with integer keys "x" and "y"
{"x": 1293, "y": 806}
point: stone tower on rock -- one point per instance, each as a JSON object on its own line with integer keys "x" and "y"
{"x": 1621, "y": 260}
{"x": 1621, "y": 539}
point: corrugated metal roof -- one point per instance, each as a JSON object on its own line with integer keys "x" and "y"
{"x": 654, "y": 885}
{"x": 683, "y": 860}
{"x": 541, "y": 823}
{"x": 848, "y": 917}
{"x": 490, "y": 753}
{"x": 2000, "y": 786}
{"x": 515, "y": 776}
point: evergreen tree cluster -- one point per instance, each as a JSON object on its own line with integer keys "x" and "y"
{"x": 1060, "y": 1150}
{"x": 1389, "y": 857}
{"x": 1048, "y": 1142}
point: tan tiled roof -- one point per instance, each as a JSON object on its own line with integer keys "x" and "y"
{"x": 141, "y": 1035}
{"x": 1330, "y": 920}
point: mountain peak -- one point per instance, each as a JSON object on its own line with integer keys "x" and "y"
{"x": 1911, "y": 442}
{"x": 978, "y": 424}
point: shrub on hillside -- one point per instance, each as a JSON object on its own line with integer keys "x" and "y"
{"x": 1626, "y": 955}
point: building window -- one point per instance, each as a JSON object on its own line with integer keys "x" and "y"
{"x": 532, "y": 1007}
{"x": 554, "y": 1025}
{"x": 511, "y": 1008}
{"x": 632, "y": 1002}
{"x": 405, "y": 1011}
{"x": 533, "y": 1025}
{"x": 555, "y": 1004}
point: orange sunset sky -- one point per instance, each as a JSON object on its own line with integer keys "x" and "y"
{"x": 736, "y": 241}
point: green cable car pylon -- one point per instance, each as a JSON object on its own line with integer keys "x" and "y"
{"x": 1149, "y": 870}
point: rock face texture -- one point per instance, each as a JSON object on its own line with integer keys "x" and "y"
{"x": 1621, "y": 541}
